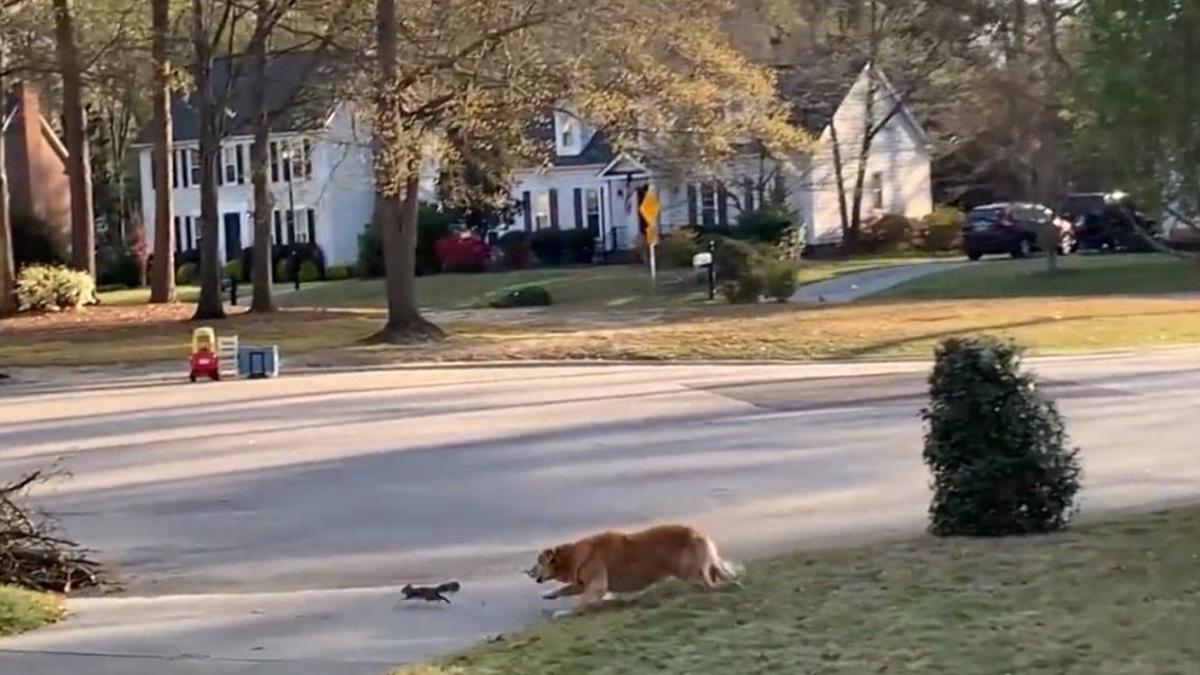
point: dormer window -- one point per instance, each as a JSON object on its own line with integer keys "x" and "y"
{"x": 567, "y": 136}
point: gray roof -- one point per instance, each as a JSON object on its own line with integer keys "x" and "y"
{"x": 302, "y": 89}
{"x": 599, "y": 149}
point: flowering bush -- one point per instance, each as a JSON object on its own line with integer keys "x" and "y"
{"x": 463, "y": 252}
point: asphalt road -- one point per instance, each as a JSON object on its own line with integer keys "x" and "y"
{"x": 266, "y": 527}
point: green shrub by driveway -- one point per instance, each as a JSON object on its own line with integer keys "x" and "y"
{"x": 524, "y": 296}
{"x": 22, "y": 610}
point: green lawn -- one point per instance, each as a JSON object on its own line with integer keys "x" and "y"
{"x": 598, "y": 287}
{"x": 1117, "y": 597}
{"x": 140, "y": 296}
{"x": 1077, "y": 275}
{"x": 22, "y": 610}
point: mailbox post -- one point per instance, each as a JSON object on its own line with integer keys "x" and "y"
{"x": 705, "y": 260}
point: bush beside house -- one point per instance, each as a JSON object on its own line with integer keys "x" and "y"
{"x": 463, "y": 252}
{"x": 54, "y": 288}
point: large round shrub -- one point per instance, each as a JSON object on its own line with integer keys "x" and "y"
{"x": 889, "y": 232}
{"x": 309, "y": 272}
{"x": 463, "y": 252}
{"x": 940, "y": 230}
{"x": 53, "y": 288}
{"x": 580, "y": 245}
{"x": 997, "y": 448}
{"x": 781, "y": 279}
{"x": 766, "y": 225}
{"x": 514, "y": 250}
{"x": 548, "y": 246}
{"x": 677, "y": 248}
{"x": 186, "y": 274}
{"x": 370, "y": 252}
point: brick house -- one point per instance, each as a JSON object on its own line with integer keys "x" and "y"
{"x": 39, "y": 192}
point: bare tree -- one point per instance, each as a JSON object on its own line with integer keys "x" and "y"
{"x": 204, "y": 41}
{"x": 79, "y": 171}
{"x": 8, "y": 282}
{"x": 162, "y": 285}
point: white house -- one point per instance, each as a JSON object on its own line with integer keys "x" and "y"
{"x": 321, "y": 180}
{"x": 587, "y": 184}
{"x": 319, "y": 164}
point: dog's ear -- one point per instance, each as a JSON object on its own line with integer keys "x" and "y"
{"x": 546, "y": 555}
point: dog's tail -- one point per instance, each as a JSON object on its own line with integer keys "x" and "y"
{"x": 721, "y": 571}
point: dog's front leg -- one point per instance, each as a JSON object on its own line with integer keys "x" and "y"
{"x": 564, "y": 592}
{"x": 592, "y": 594}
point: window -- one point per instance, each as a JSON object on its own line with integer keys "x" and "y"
{"x": 592, "y": 209}
{"x": 877, "y": 190}
{"x": 193, "y": 159}
{"x": 304, "y": 227}
{"x": 274, "y": 162}
{"x": 233, "y": 171}
{"x": 708, "y": 205}
{"x": 541, "y": 211}
{"x": 568, "y": 134}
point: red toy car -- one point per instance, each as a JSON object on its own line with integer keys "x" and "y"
{"x": 203, "y": 360}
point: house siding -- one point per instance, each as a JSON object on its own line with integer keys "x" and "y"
{"x": 339, "y": 191}
{"x": 899, "y": 154}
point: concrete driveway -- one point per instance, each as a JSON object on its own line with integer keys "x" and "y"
{"x": 266, "y": 527}
{"x": 859, "y": 285}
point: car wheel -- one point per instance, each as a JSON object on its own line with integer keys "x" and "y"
{"x": 192, "y": 376}
{"x": 1023, "y": 250}
{"x": 974, "y": 256}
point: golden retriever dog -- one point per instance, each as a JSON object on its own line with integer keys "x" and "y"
{"x": 616, "y": 562}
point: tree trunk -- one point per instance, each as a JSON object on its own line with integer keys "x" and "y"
{"x": 849, "y": 234}
{"x": 83, "y": 235}
{"x": 210, "y": 305}
{"x": 396, "y": 213}
{"x": 864, "y": 153}
{"x": 162, "y": 285}
{"x": 263, "y": 201}
{"x": 8, "y": 281}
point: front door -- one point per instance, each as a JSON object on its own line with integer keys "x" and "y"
{"x": 233, "y": 236}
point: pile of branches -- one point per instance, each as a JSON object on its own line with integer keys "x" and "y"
{"x": 32, "y": 555}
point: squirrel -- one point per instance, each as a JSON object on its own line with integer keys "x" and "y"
{"x": 431, "y": 593}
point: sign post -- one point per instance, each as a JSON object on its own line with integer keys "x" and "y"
{"x": 649, "y": 211}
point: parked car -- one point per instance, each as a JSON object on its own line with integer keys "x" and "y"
{"x": 1104, "y": 221}
{"x": 1012, "y": 228}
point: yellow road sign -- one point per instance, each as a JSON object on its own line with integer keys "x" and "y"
{"x": 649, "y": 210}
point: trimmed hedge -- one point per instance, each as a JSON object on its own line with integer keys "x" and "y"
{"x": 185, "y": 274}
{"x": 524, "y": 296}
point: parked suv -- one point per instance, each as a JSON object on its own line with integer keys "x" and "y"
{"x": 1104, "y": 221}
{"x": 1011, "y": 228}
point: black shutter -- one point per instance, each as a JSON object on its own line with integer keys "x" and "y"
{"x": 527, "y": 207}
{"x": 312, "y": 227}
{"x": 693, "y": 217}
{"x": 153, "y": 171}
{"x": 178, "y": 236}
{"x": 554, "y": 209}
{"x": 578, "y": 209}
{"x": 274, "y": 162}
{"x": 277, "y": 220}
{"x": 748, "y": 198}
{"x": 220, "y": 166}
{"x": 241, "y": 167}
{"x": 722, "y": 206}
{"x": 175, "y": 166}
{"x": 187, "y": 224}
